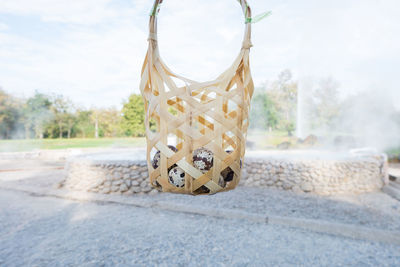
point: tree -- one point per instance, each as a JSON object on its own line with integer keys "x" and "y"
{"x": 71, "y": 120}
{"x": 95, "y": 119}
{"x": 133, "y": 116}
{"x": 109, "y": 122}
{"x": 84, "y": 123}
{"x": 287, "y": 94}
{"x": 263, "y": 114}
{"x": 282, "y": 102}
{"x": 62, "y": 109}
{"x": 10, "y": 115}
{"x": 326, "y": 104}
{"x": 37, "y": 113}
{"x": 271, "y": 113}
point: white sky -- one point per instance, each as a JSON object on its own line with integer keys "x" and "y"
{"x": 92, "y": 50}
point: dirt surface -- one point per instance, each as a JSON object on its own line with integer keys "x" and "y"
{"x": 45, "y": 231}
{"x": 394, "y": 165}
{"x": 55, "y": 232}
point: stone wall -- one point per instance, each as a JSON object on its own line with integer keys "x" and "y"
{"x": 127, "y": 177}
{"x": 325, "y": 177}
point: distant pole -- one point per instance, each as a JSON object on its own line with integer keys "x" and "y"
{"x": 96, "y": 127}
{"x": 299, "y": 115}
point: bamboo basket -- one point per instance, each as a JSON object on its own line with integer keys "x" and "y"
{"x": 211, "y": 116}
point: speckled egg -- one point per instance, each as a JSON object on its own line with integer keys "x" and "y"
{"x": 156, "y": 159}
{"x": 176, "y": 176}
{"x": 204, "y": 190}
{"x": 203, "y": 159}
{"x": 157, "y": 184}
{"x": 228, "y": 173}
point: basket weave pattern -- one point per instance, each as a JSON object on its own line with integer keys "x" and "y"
{"x": 212, "y": 115}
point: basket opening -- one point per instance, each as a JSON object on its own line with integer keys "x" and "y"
{"x": 200, "y": 41}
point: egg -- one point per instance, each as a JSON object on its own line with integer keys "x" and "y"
{"x": 157, "y": 158}
{"x": 228, "y": 173}
{"x": 204, "y": 190}
{"x": 203, "y": 159}
{"x": 176, "y": 176}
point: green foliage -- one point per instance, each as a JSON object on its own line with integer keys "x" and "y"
{"x": 172, "y": 111}
{"x": 56, "y": 143}
{"x": 257, "y": 112}
{"x": 10, "y": 116}
{"x": 324, "y": 105}
{"x": 263, "y": 112}
{"x": 43, "y": 116}
{"x": 283, "y": 93}
{"x": 274, "y": 106}
{"x": 289, "y": 127}
{"x": 109, "y": 122}
{"x": 37, "y": 114}
{"x": 84, "y": 126}
{"x": 133, "y": 116}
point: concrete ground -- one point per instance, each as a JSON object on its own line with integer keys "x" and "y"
{"x": 41, "y": 225}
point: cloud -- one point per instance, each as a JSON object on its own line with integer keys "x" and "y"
{"x": 3, "y": 27}
{"x": 101, "y": 68}
{"x": 66, "y": 11}
{"x": 95, "y": 48}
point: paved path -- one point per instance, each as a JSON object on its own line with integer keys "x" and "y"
{"x": 37, "y": 231}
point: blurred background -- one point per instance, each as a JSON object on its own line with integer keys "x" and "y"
{"x": 325, "y": 72}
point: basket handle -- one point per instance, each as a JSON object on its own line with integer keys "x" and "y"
{"x": 246, "y": 11}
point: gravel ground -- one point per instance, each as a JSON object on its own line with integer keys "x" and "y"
{"x": 375, "y": 210}
{"x": 44, "y": 231}
{"x": 55, "y": 232}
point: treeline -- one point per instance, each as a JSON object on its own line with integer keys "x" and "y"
{"x": 275, "y": 105}
{"x": 54, "y": 116}
{"x": 317, "y": 107}
{"x": 278, "y": 105}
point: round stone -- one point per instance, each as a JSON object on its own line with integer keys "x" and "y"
{"x": 123, "y": 188}
{"x": 153, "y": 192}
{"x": 157, "y": 157}
{"x": 176, "y": 176}
{"x": 307, "y": 187}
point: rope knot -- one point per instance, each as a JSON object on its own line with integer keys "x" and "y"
{"x": 247, "y": 45}
{"x": 152, "y": 36}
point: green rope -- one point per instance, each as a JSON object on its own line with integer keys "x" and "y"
{"x": 258, "y": 18}
{"x": 255, "y": 19}
{"x": 155, "y": 10}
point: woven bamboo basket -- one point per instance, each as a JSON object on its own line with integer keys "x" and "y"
{"x": 208, "y": 120}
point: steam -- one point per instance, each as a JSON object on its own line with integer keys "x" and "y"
{"x": 368, "y": 118}
{"x": 371, "y": 117}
